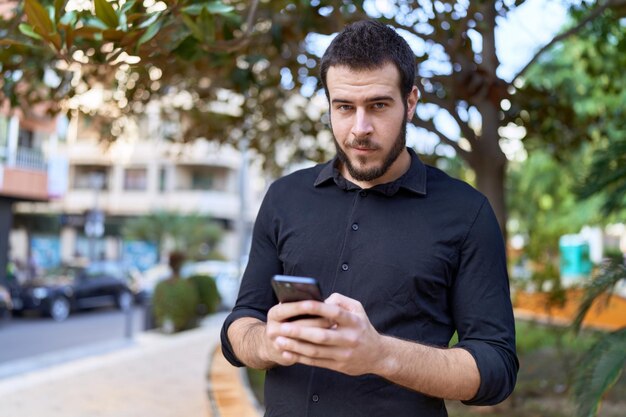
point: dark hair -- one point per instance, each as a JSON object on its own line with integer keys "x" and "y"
{"x": 367, "y": 45}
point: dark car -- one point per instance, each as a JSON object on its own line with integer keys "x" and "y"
{"x": 70, "y": 287}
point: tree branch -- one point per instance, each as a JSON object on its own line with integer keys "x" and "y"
{"x": 572, "y": 31}
{"x": 467, "y": 131}
{"x": 430, "y": 126}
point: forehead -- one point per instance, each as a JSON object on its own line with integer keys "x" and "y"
{"x": 353, "y": 84}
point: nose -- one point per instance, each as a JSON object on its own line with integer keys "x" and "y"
{"x": 362, "y": 126}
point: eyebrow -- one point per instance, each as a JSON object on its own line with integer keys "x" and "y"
{"x": 369, "y": 100}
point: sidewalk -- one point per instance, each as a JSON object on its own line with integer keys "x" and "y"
{"x": 156, "y": 375}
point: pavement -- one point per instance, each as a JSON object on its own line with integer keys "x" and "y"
{"x": 152, "y": 375}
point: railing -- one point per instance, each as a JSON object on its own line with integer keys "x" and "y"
{"x": 30, "y": 159}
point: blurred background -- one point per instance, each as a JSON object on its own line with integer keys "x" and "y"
{"x": 137, "y": 139}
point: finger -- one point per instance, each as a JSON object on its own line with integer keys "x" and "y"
{"x": 317, "y": 335}
{"x": 305, "y": 349}
{"x": 320, "y": 322}
{"x": 346, "y": 303}
{"x": 285, "y": 311}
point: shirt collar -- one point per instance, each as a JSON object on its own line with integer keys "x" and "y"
{"x": 414, "y": 180}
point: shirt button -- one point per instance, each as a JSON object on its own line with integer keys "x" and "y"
{"x": 355, "y": 226}
{"x": 315, "y": 398}
{"x": 345, "y": 267}
{"x": 363, "y": 193}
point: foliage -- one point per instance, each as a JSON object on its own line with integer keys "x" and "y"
{"x": 600, "y": 369}
{"x": 577, "y": 97}
{"x": 242, "y": 71}
{"x": 194, "y": 234}
{"x": 603, "y": 363}
{"x": 175, "y": 304}
{"x": 208, "y": 295}
{"x": 543, "y": 207}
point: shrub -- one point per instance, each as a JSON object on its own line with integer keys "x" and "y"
{"x": 175, "y": 304}
{"x": 209, "y": 297}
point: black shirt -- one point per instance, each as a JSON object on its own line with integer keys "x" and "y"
{"x": 423, "y": 254}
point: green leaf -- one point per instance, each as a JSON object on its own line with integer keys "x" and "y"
{"x": 38, "y": 17}
{"x": 106, "y": 13}
{"x": 150, "y": 33}
{"x": 27, "y": 30}
{"x": 149, "y": 21}
{"x": 193, "y": 27}
{"x": 217, "y": 7}
{"x": 193, "y": 10}
{"x": 188, "y": 49}
{"x": 214, "y": 7}
{"x": 207, "y": 25}
{"x": 601, "y": 367}
{"x": 126, "y": 7}
{"x": 95, "y": 22}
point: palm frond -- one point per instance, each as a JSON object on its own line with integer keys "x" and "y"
{"x": 610, "y": 273}
{"x": 600, "y": 368}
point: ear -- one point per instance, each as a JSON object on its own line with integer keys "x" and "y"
{"x": 411, "y": 102}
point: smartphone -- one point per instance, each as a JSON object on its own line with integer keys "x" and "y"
{"x": 290, "y": 288}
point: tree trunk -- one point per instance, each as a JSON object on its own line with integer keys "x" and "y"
{"x": 489, "y": 162}
{"x": 490, "y": 175}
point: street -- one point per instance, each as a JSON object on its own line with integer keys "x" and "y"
{"x": 31, "y": 336}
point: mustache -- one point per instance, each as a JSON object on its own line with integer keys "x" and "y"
{"x": 363, "y": 143}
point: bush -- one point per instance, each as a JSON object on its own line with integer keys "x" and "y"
{"x": 175, "y": 304}
{"x": 209, "y": 297}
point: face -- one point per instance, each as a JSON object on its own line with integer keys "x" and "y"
{"x": 368, "y": 118}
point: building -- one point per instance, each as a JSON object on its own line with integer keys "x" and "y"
{"x": 99, "y": 186}
{"x": 23, "y": 167}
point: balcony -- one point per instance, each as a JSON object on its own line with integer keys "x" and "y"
{"x": 24, "y": 176}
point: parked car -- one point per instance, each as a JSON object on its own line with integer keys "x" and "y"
{"x": 6, "y": 304}
{"x": 62, "y": 290}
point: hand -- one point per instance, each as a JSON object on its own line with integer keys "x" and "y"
{"x": 277, "y": 316}
{"x": 348, "y": 344}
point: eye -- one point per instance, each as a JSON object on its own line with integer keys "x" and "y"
{"x": 379, "y": 106}
{"x": 344, "y": 107}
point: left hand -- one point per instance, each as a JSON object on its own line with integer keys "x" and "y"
{"x": 351, "y": 346}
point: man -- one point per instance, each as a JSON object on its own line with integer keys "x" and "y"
{"x": 405, "y": 254}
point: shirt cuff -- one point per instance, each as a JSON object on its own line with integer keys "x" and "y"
{"x": 227, "y": 348}
{"x": 498, "y": 372}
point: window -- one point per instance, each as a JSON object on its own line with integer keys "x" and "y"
{"x": 135, "y": 179}
{"x": 162, "y": 179}
{"x": 90, "y": 177}
{"x": 201, "y": 179}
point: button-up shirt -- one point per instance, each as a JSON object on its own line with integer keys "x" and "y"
{"x": 424, "y": 255}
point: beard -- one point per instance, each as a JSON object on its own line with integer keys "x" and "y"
{"x": 372, "y": 173}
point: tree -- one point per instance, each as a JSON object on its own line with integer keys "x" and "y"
{"x": 194, "y": 235}
{"x": 261, "y": 52}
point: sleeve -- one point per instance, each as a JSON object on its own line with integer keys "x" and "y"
{"x": 482, "y": 309}
{"x": 255, "y": 293}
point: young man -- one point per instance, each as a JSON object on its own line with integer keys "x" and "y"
{"x": 406, "y": 254}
